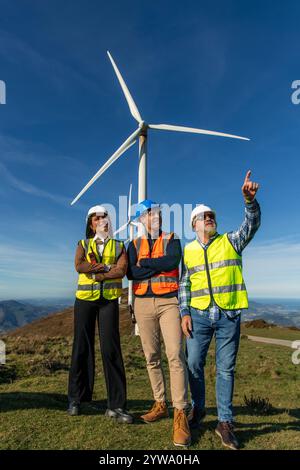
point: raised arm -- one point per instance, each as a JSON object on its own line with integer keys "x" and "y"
{"x": 249, "y": 188}
{"x": 241, "y": 237}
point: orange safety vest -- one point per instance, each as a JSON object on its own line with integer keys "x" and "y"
{"x": 162, "y": 283}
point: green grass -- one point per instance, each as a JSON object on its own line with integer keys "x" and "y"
{"x": 33, "y": 401}
{"x": 276, "y": 332}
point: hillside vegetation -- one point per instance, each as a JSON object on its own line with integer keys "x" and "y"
{"x": 33, "y": 394}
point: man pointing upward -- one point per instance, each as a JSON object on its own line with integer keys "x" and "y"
{"x": 212, "y": 295}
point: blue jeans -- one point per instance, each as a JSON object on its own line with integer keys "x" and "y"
{"x": 227, "y": 335}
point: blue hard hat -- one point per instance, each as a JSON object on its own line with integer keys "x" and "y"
{"x": 144, "y": 206}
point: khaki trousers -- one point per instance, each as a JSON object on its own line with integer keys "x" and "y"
{"x": 158, "y": 317}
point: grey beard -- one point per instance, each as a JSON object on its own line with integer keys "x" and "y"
{"x": 210, "y": 230}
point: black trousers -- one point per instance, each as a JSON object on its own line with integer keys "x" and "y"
{"x": 82, "y": 371}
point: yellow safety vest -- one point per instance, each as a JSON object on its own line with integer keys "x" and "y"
{"x": 89, "y": 289}
{"x": 215, "y": 272}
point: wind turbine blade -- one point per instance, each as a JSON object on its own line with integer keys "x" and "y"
{"x": 121, "y": 228}
{"x": 129, "y": 202}
{"x": 125, "y": 146}
{"x": 168, "y": 127}
{"x": 132, "y": 106}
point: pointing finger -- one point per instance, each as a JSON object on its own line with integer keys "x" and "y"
{"x": 247, "y": 177}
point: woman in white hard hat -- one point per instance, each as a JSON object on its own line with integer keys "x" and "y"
{"x": 101, "y": 263}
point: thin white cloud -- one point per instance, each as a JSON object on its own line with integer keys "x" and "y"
{"x": 17, "y": 150}
{"x": 29, "y": 188}
{"x": 272, "y": 269}
{"x": 60, "y": 75}
{"x": 36, "y": 154}
{"x": 30, "y": 271}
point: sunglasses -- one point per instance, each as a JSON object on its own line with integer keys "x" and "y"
{"x": 100, "y": 216}
{"x": 154, "y": 211}
{"x": 205, "y": 215}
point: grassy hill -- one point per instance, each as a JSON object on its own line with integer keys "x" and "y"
{"x": 269, "y": 330}
{"x": 33, "y": 394}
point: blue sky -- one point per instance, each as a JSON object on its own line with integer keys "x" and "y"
{"x": 227, "y": 66}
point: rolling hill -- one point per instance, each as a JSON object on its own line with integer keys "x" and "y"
{"x": 14, "y": 314}
{"x": 33, "y": 387}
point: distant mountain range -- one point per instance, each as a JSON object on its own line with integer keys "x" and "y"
{"x": 284, "y": 313}
{"x": 15, "y": 314}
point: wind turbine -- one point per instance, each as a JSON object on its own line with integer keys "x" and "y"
{"x": 131, "y": 225}
{"x": 142, "y": 133}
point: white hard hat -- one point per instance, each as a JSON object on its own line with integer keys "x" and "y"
{"x": 96, "y": 210}
{"x": 200, "y": 209}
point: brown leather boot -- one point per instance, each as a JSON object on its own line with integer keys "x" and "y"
{"x": 225, "y": 431}
{"x": 158, "y": 411}
{"x": 181, "y": 430}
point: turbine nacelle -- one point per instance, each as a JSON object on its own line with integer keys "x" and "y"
{"x": 144, "y": 128}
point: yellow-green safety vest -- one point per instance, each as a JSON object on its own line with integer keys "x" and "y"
{"x": 89, "y": 289}
{"x": 215, "y": 272}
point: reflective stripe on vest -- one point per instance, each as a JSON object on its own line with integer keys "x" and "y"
{"x": 218, "y": 290}
{"x": 88, "y": 288}
{"x": 217, "y": 273}
{"x": 164, "y": 282}
{"x": 217, "y": 264}
{"x": 97, "y": 286}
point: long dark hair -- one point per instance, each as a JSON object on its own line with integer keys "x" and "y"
{"x": 89, "y": 232}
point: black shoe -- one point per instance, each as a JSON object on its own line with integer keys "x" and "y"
{"x": 225, "y": 431}
{"x": 195, "y": 417}
{"x": 74, "y": 409}
{"x": 120, "y": 415}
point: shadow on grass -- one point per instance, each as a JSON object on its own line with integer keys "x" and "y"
{"x": 245, "y": 432}
{"x": 245, "y": 411}
{"x": 12, "y": 401}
